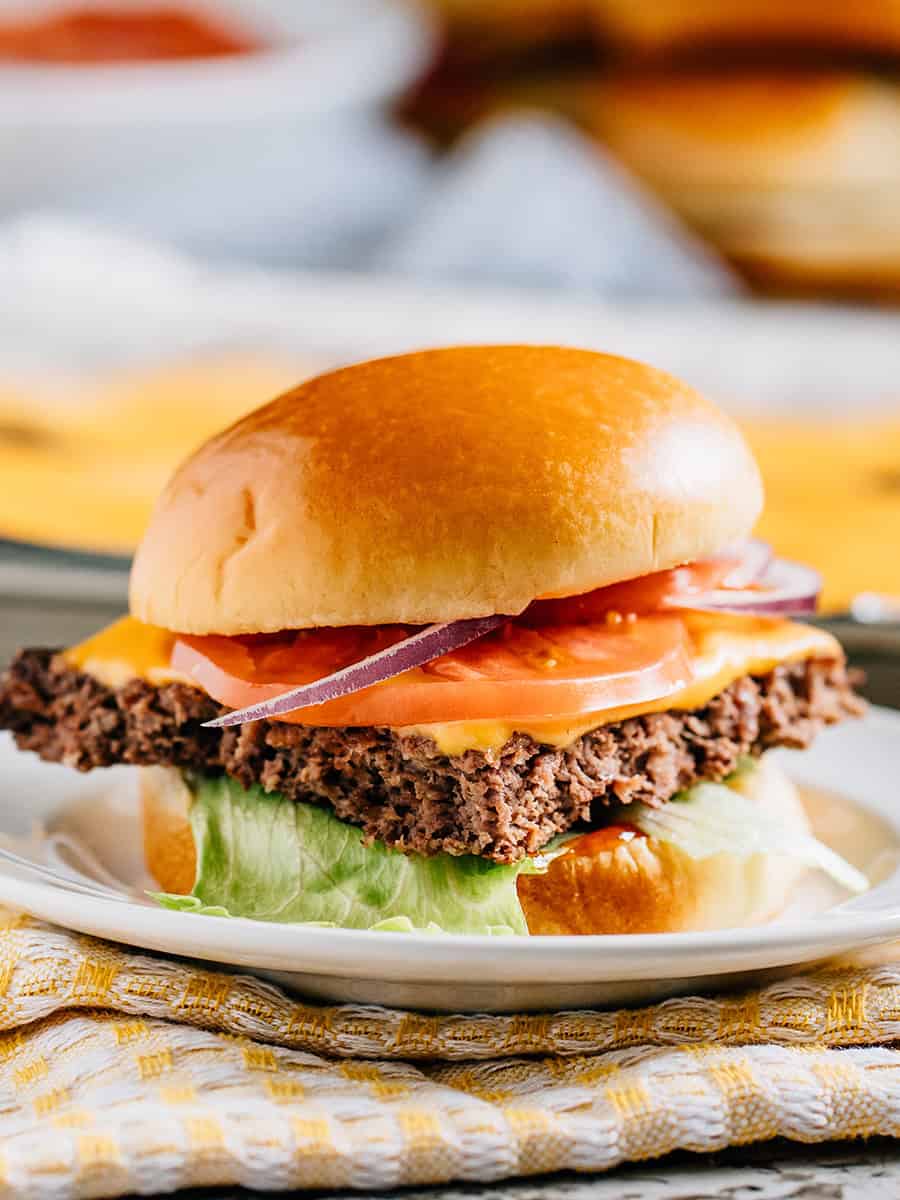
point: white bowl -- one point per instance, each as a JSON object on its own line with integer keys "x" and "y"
{"x": 70, "y": 133}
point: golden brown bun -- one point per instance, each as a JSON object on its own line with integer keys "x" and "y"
{"x": 791, "y": 176}
{"x": 752, "y": 128}
{"x": 440, "y": 485}
{"x": 855, "y": 263}
{"x": 641, "y": 886}
{"x": 168, "y": 839}
{"x": 658, "y": 25}
{"x": 647, "y": 886}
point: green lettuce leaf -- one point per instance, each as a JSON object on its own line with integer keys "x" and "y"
{"x": 726, "y": 818}
{"x": 271, "y": 859}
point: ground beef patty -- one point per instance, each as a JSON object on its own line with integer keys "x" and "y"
{"x": 500, "y": 804}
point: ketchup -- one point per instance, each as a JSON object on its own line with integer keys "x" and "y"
{"x": 95, "y": 34}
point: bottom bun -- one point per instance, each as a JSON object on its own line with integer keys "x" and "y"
{"x": 608, "y": 883}
{"x": 604, "y": 884}
{"x": 168, "y": 838}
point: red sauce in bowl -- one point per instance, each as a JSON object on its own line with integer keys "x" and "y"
{"x": 95, "y": 34}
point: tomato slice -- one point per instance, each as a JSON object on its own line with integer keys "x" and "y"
{"x": 518, "y": 672}
{"x": 646, "y": 594}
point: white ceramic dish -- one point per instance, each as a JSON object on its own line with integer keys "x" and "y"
{"x": 69, "y": 133}
{"x": 861, "y": 760}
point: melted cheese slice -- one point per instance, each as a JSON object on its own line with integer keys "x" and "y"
{"x": 725, "y": 647}
{"x": 127, "y": 649}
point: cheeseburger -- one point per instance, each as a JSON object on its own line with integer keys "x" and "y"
{"x": 470, "y": 640}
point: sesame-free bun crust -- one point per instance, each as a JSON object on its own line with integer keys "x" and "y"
{"x": 440, "y": 485}
{"x": 757, "y": 128}
{"x": 169, "y": 848}
{"x": 642, "y": 886}
{"x": 663, "y": 25}
{"x": 648, "y": 886}
{"x": 792, "y": 176}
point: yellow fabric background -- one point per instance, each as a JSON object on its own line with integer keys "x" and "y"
{"x": 833, "y": 500}
{"x": 83, "y": 463}
{"x": 122, "y": 1071}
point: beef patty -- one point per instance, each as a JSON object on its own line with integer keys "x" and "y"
{"x": 501, "y": 804}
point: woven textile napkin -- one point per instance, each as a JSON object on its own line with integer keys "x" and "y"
{"x": 123, "y": 1072}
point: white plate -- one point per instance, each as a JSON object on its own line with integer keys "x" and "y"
{"x": 861, "y": 760}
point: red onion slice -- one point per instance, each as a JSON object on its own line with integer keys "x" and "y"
{"x": 751, "y": 561}
{"x": 416, "y": 650}
{"x": 786, "y": 587}
{"x": 780, "y": 587}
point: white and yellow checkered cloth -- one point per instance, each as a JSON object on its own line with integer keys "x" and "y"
{"x": 121, "y": 1072}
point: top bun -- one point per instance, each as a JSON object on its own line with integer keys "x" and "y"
{"x": 440, "y": 485}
